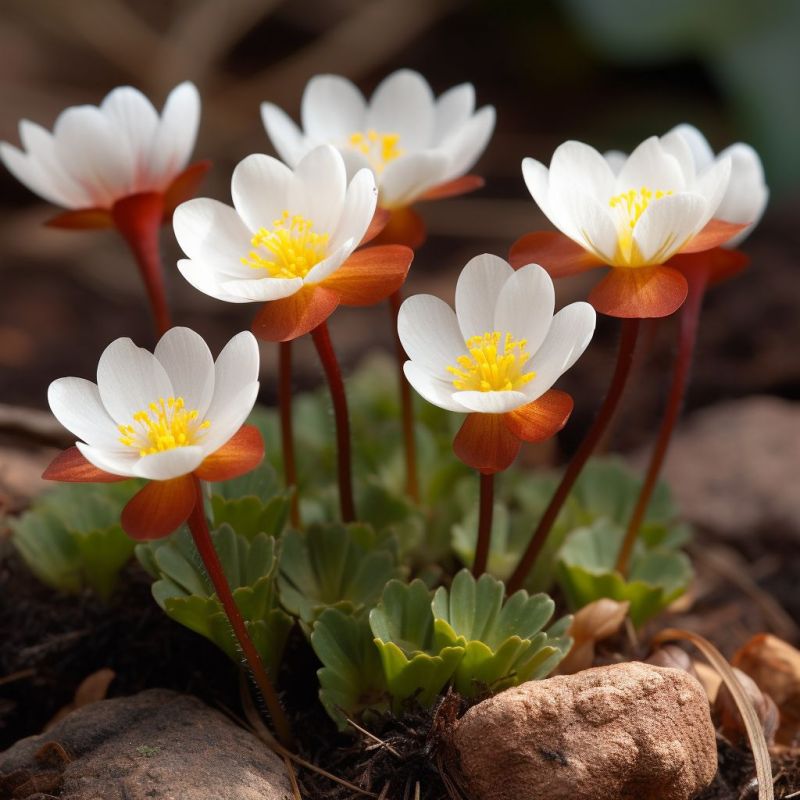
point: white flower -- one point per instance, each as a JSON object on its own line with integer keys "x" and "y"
{"x": 747, "y": 194}
{"x": 159, "y": 415}
{"x": 631, "y": 211}
{"x": 98, "y": 155}
{"x": 502, "y": 348}
{"x": 410, "y": 139}
{"x": 287, "y": 229}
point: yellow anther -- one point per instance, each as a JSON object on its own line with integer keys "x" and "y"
{"x": 494, "y": 363}
{"x": 165, "y": 425}
{"x": 379, "y": 148}
{"x": 633, "y": 203}
{"x": 292, "y": 247}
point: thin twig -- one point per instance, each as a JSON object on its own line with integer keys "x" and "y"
{"x": 292, "y": 778}
{"x": 373, "y": 737}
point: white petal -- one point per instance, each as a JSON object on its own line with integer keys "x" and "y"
{"x": 332, "y": 108}
{"x": 525, "y": 306}
{"x": 712, "y": 186}
{"x": 189, "y": 366}
{"x": 537, "y": 179}
{"x": 403, "y": 103}
{"x": 260, "y": 190}
{"x": 478, "y": 287}
{"x": 702, "y": 153}
{"x": 429, "y": 332}
{"x": 129, "y": 379}
{"x": 262, "y": 289}
{"x": 228, "y": 416}
{"x": 436, "y": 391}
{"x": 177, "y": 132}
{"x": 491, "y": 402}
{"x": 214, "y": 233}
{"x": 286, "y": 137}
{"x": 569, "y": 334}
{"x": 329, "y": 265}
{"x": 407, "y": 177}
{"x": 318, "y": 188}
{"x": 651, "y": 166}
{"x": 76, "y": 404}
{"x": 87, "y": 144}
{"x": 235, "y": 389}
{"x": 28, "y": 171}
{"x": 578, "y": 168}
{"x": 746, "y": 196}
{"x": 465, "y": 147}
{"x": 120, "y": 462}
{"x": 453, "y": 109}
{"x": 615, "y": 159}
{"x": 667, "y": 224}
{"x": 136, "y": 122}
{"x": 208, "y": 280}
{"x": 359, "y": 208}
{"x": 586, "y": 220}
{"x": 169, "y": 463}
{"x": 678, "y": 147}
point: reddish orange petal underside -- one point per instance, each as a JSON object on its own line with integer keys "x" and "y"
{"x": 557, "y": 253}
{"x": 717, "y": 264}
{"x": 184, "y": 187}
{"x": 485, "y": 443}
{"x": 715, "y": 233}
{"x": 82, "y": 219}
{"x": 380, "y": 219}
{"x": 454, "y": 188}
{"x": 243, "y": 452}
{"x": 640, "y": 292}
{"x": 159, "y": 508}
{"x": 406, "y": 227}
{"x": 371, "y": 275}
{"x": 542, "y": 418}
{"x": 137, "y": 216}
{"x": 286, "y": 319}
{"x": 71, "y": 466}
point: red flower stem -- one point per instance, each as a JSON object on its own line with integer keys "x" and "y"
{"x": 205, "y": 546}
{"x": 485, "y": 514}
{"x": 627, "y": 346}
{"x": 138, "y": 219}
{"x": 287, "y": 432}
{"x": 322, "y": 341}
{"x": 406, "y": 405}
{"x": 690, "y": 315}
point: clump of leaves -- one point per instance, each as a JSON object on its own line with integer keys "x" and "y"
{"x": 71, "y": 538}
{"x": 184, "y": 591}
{"x": 504, "y": 642}
{"x": 334, "y": 566}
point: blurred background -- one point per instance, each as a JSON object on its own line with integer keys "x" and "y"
{"x": 608, "y": 72}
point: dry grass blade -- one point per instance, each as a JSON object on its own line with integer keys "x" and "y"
{"x": 263, "y": 733}
{"x": 292, "y": 778}
{"x": 372, "y": 736}
{"x": 752, "y": 725}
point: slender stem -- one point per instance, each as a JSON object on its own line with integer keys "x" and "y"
{"x": 690, "y": 315}
{"x": 406, "y": 405}
{"x": 484, "y": 525}
{"x": 322, "y": 341}
{"x": 627, "y": 346}
{"x": 287, "y": 432}
{"x": 138, "y": 219}
{"x": 205, "y": 546}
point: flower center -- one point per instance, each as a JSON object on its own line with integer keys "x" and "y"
{"x": 630, "y": 206}
{"x": 289, "y": 250}
{"x": 163, "y": 425}
{"x": 379, "y": 148}
{"x": 494, "y": 363}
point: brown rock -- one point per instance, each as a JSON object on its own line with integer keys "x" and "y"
{"x": 157, "y": 745}
{"x": 775, "y": 666}
{"x": 623, "y": 732}
{"x": 731, "y": 466}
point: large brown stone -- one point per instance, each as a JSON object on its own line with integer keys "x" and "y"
{"x": 157, "y": 745}
{"x": 623, "y": 732}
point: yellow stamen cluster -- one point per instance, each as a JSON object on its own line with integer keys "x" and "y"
{"x": 292, "y": 247}
{"x": 164, "y": 425}
{"x": 632, "y": 204}
{"x": 379, "y": 148}
{"x": 494, "y": 363}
